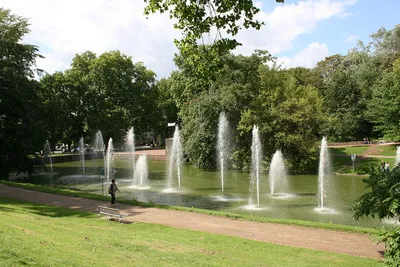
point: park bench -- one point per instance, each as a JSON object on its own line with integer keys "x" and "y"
{"x": 110, "y": 212}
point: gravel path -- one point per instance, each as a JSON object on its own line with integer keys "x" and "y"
{"x": 319, "y": 239}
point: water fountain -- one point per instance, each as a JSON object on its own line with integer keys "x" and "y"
{"x": 175, "y": 161}
{"x": 109, "y": 160}
{"x": 278, "y": 176}
{"x": 324, "y": 173}
{"x": 98, "y": 144}
{"x": 223, "y": 147}
{"x": 140, "y": 178}
{"x": 130, "y": 146}
{"x": 47, "y": 154}
{"x": 82, "y": 152}
{"x": 256, "y": 156}
{"x": 398, "y": 156}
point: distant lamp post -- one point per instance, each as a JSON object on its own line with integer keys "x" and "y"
{"x": 353, "y": 159}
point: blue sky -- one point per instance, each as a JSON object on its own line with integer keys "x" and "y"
{"x": 299, "y": 33}
{"x": 364, "y": 17}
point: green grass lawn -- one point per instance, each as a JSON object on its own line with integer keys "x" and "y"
{"x": 343, "y": 164}
{"x": 39, "y": 235}
{"x": 348, "y": 150}
{"x": 83, "y": 194}
{"x": 388, "y": 150}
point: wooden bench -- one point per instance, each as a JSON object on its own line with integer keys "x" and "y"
{"x": 110, "y": 212}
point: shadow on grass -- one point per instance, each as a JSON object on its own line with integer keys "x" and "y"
{"x": 6, "y": 205}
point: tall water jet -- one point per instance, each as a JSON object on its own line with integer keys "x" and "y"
{"x": 277, "y": 174}
{"x": 130, "y": 146}
{"x": 140, "y": 177}
{"x": 175, "y": 159}
{"x": 256, "y": 157}
{"x": 47, "y": 154}
{"x": 398, "y": 156}
{"x": 223, "y": 147}
{"x": 82, "y": 152}
{"x": 324, "y": 172}
{"x": 109, "y": 159}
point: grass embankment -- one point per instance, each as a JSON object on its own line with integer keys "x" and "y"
{"x": 40, "y": 235}
{"x": 342, "y": 163}
{"x": 68, "y": 192}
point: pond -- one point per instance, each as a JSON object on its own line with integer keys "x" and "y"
{"x": 202, "y": 189}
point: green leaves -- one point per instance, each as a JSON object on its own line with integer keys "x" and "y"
{"x": 215, "y": 18}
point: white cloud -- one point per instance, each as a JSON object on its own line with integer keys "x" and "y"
{"x": 287, "y": 22}
{"x": 307, "y": 57}
{"x": 351, "y": 38}
{"x": 63, "y": 28}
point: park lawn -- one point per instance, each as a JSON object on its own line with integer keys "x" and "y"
{"x": 40, "y": 235}
{"x": 343, "y": 164}
{"x": 348, "y": 150}
{"x": 388, "y": 150}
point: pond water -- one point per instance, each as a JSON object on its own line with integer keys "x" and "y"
{"x": 202, "y": 189}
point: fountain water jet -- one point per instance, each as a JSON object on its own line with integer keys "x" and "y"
{"x": 398, "y": 156}
{"x": 82, "y": 152}
{"x": 254, "y": 188}
{"x": 175, "y": 160}
{"x": 130, "y": 145}
{"x": 324, "y": 173}
{"x": 109, "y": 160}
{"x": 47, "y": 154}
{"x": 277, "y": 176}
{"x": 140, "y": 178}
{"x": 223, "y": 146}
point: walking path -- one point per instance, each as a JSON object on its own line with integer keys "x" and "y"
{"x": 319, "y": 239}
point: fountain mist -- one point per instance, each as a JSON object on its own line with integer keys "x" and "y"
{"x": 175, "y": 159}
{"x": 47, "y": 154}
{"x": 277, "y": 174}
{"x": 254, "y": 188}
{"x": 82, "y": 151}
{"x": 130, "y": 146}
{"x": 140, "y": 177}
{"x": 98, "y": 147}
{"x": 324, "y": 172}
{"x": 223, "y": 147}
{"x": 109, "y": 160}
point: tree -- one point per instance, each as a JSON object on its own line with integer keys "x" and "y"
{"x": 232, "y": 92}
{"x": 384, "y": 107}
{"x": 382, "y": 199}
{"x": 20, "y": 125}
{"x": 197, "y": 18}
{"x": 289, "y": 115}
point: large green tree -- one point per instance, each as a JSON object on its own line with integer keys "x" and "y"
{"x": 21, "y": 126}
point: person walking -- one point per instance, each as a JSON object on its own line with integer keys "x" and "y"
{"x": 112, "y": 190}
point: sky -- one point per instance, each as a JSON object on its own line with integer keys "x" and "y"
{"x": 298, "y": 33}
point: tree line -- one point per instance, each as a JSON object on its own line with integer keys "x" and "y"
{"x": 345, "y": 97}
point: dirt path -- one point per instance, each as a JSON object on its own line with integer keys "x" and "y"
{"x": 340, "y": 242}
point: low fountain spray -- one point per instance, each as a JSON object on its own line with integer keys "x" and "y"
{"x": 140, "y": 178}
{"x": 277, "y": 174}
